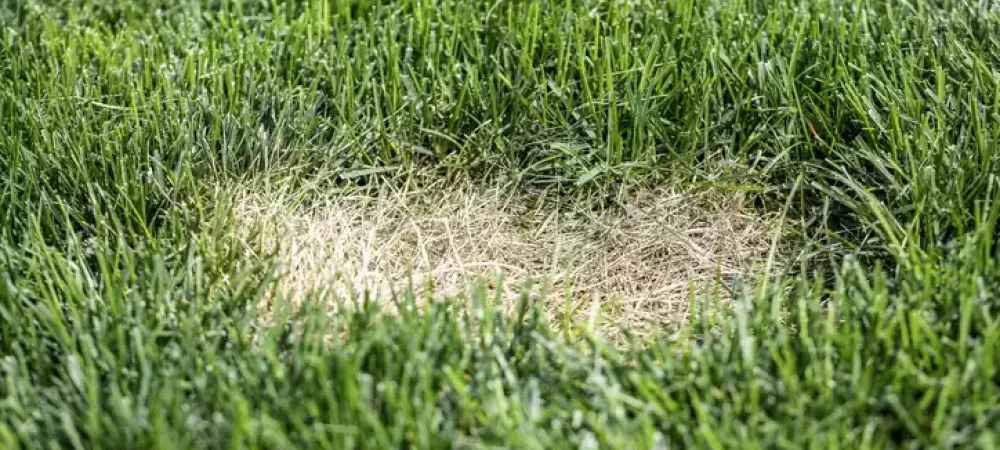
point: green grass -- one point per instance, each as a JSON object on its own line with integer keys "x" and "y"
{"x": 128, "y": 310}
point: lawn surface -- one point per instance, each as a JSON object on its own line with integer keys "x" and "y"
{"x": 130, "y": 299}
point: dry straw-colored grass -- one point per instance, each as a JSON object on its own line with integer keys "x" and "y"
{"x": 634, "y": 265}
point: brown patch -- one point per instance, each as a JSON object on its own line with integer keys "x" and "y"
{"x": 629, "y": 267}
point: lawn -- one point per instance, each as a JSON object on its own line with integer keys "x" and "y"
{"x": 763, "y": 224}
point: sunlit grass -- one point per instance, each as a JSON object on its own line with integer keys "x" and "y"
{"x": 128, "y": 308}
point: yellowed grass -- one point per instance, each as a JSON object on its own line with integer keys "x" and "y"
{"x": 632, "y": 265}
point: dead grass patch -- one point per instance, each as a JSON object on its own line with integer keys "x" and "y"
{"x": 633, "y": 265}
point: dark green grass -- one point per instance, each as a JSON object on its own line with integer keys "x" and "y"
{"x": 128, "y": 310}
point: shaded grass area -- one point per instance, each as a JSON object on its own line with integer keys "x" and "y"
{"x": 127, "y": 307}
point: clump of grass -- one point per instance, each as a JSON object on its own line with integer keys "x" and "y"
{"x": 128, "y": 311}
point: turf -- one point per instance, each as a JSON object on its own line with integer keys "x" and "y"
{"x": 128, "y": 308}
{"x": 627, "y": 270}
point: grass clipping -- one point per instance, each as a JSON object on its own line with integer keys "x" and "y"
{"x": 635, "y": 266}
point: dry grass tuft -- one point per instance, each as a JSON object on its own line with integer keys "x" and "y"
{"x": 632, "y": 265}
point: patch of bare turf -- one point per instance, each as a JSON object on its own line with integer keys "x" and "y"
{"x": 633, "y": 265}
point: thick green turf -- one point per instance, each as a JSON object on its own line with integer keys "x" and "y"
{"x": 127, "y": 310}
